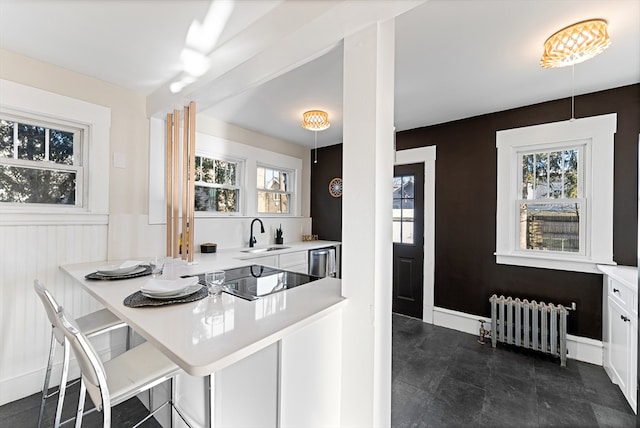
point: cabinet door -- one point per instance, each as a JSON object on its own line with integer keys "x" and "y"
{"x": 265, "y": 260}
{"x": 619, "y": 345}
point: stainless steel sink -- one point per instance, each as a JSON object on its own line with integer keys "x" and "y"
{"x": 264, "y": 250}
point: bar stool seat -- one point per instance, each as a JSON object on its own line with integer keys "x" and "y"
{"x": 93, "y": 324}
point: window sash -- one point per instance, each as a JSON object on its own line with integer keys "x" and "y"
{"x": 78, "y": 132}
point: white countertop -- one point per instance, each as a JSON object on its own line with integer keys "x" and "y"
{"x": 628, "y": 275}
{"x": 212, "y": 333}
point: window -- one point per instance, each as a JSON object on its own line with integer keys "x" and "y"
{"x": 217, "y": 186}
{"x": 40, "y": 162}
{"x": 53, "y": 157}
{"x": 274, "y": 190}
{"x": 403, "y": 203}
{"x": 551, "y": 205}
{"x": 555, "y": 195}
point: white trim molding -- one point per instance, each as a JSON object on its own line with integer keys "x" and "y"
{"x": 44, "y": 104}
{"x": 597, "y": 134}
{"x": 579, "y": 348}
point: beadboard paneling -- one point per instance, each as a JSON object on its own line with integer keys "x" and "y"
{"x": 27, "y": 253}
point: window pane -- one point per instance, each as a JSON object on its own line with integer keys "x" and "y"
{"x": 225, "y": 172}
{"x": 542, "y": 166}
{"x": 6, "y": 139}
{"x": 61, "y": 147}
{"x": 216, "y": 200}
{"x": 407, "y": 186}
{"x": 571, "y": 174}
{"x": 407, "y": 232}
{"x": 37, "y": 186}
{"x": 556, "y": 175}
{"x": 527, "y": 176}
{"x": 31, "y": 142}
{"x": 270, "y": 202}
{"x": 272, "y": 179}
{"x": 550, "y": 227}
{"x": 397, "y": 230}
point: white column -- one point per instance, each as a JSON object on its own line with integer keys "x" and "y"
{"x": 366, "y": 225}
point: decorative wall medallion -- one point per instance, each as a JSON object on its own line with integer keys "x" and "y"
{"x": 335, "y": 187}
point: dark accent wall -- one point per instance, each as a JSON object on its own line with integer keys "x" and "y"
{"x": 326, "y": 211}
{"x": 466, "y": 274}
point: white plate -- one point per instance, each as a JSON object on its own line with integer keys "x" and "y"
{"x": 121, "y": 269}
{"x": 167, "y": 287}
{"x": 186, "y": 292}
{"x": 122, "y": 272}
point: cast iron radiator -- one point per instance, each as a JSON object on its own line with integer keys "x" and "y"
{"x": 538, "y": 326}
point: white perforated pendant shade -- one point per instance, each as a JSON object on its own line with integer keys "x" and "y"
{"x": 315, "y": 120}
{"x": 575, "y": 44}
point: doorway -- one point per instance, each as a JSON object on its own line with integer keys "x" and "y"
{"x": 408, "y": 239}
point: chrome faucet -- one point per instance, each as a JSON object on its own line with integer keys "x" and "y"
{"x": 252, "y": 239}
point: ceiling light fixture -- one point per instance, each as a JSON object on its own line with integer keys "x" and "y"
{"x": 575, "y": 44}
{"x": 315, "y": 120}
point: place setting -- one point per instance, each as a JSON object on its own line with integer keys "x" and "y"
{"x": 159, "y": 291}
{"x": 125, "y": 270}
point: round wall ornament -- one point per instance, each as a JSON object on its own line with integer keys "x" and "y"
{"x": 335, "y": 187}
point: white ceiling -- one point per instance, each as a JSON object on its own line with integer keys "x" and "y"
{"x": 454, "y": 58}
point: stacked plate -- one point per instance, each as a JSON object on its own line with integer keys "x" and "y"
{"x": 130, "y": 267}
{"x": 167, "y": 289}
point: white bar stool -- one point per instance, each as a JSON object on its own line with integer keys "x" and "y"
{"x": 91, "y": 325}
{"x": 119, "y": 379}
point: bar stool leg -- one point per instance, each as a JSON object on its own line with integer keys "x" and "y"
{"x": 47, "y": 378}
{"x": 63, "y": 384}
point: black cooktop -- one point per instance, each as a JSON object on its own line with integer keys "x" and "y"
{"x": 255, "y": 281}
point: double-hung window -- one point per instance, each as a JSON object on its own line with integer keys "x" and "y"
{"x": 555, "y": 194}
{"x": 274, "y": 188}
{"x": 552, "y": 205}
{"x": 41, "y": 162}
{"x": 218, "y": 185}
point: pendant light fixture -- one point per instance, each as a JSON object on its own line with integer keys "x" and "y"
{"x": 315, "y": 120}
{"x": 575, "y": 44}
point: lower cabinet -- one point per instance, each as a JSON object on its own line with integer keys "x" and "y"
{"x": 620, "y": 331}
{"x": 294, "y": 262}
{"x": 295, "y": 383}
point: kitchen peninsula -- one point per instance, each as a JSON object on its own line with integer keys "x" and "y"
{"x": 278, "y": 355}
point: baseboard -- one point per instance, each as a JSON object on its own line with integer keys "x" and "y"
{"x": 27, "y": 384}
{"x": 579, "y": 348}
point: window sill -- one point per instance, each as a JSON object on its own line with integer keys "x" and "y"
{"x": 49, "y": 218}
{"x": 554, "y": 262}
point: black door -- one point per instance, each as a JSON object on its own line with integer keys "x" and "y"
{"x": 408, "y": 239}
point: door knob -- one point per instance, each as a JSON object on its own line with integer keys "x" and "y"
{"x": 625, "y": 319}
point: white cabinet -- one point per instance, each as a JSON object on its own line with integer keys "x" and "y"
{"x": 296, "y": 261}
{"x": 620, "y": 328}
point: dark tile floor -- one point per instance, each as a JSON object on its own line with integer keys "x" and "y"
{"x": 24, "y": 413}
{"x": 445, "y": 378}
{"x": 442, "y": 378}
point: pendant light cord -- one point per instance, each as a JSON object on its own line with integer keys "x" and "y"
{"x": 315, "y": 133}
{"x": 573, "y": 89}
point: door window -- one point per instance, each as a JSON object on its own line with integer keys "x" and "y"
{"x": 403, "y": 209}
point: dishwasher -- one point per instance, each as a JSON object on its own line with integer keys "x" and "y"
{"x": 325, "y": 262}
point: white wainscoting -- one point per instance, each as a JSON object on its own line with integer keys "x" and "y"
{"x": 580, "y": 348}
{"x": 27, "y": 253}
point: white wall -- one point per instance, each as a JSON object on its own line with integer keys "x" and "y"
{"x": 29, "y": 252}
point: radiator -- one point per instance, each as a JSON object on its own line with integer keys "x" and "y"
{"x": 538, "y": 326}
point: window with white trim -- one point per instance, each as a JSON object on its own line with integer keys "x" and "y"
{"x": 274, "y": 187}
{"x": 218, "y": 185}
{"x": 555, "y": 194}
{"x": 41, "y": 161}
